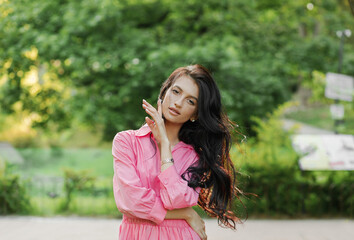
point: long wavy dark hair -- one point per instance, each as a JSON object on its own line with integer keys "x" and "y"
{"x": 210, "y": 136}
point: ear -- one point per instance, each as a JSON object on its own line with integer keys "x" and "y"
{"x": 193, "y": 118}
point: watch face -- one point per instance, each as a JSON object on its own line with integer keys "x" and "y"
{"x": 169, "y": 160}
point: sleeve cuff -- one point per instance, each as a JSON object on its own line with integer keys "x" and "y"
{"x": 158, "y": 212}
{"x": 169, "y": 177}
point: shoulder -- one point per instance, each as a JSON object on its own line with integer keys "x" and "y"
{"x": 184, "y": 156}
{"x": 187, "y": 151}
{"x": 123, "y": 135}
{"x": 122, "y": 140}
{"x": 186, "y": 147}
{"x": 131, "y": 135}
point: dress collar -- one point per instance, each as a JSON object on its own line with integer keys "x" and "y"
{"x": 143, "y": 131}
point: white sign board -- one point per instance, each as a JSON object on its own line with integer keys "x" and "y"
{"x": 325, "y": 152}
{"x": 339, "y": 86}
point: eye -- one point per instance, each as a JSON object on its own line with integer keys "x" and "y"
{"x": 175, "y": 91}
{"x": 190, "y": 102}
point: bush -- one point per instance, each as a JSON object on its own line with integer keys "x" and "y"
{"x": 269, "y": 168}
{"x": 76, "y": 181}
{"x": 13, "y": 194}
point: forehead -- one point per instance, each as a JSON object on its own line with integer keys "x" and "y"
{"x": 188, "y": 85}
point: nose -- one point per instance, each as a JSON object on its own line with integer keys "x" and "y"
{"x": 178, "y": 102}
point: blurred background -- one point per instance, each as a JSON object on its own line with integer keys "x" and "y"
{"x": 73, "y": 73}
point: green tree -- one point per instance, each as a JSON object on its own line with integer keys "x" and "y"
{"x": 97, "y": 59}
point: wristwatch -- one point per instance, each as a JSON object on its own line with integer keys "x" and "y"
{"x": 168, "y": 160}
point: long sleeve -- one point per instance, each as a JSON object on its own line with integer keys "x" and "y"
{"x": 130, "y": 196}
{"x": 175, "y": 192}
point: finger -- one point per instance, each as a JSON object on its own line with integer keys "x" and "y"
{"x": 159, "y": 107}
{"x": 201, "y": 233}
{"x": 147, "y": 103}
{"x": 145, "y": 106}
{"x": 202, "y": 236}
{"x": 154, "y": 115}
{"x": 149, "y": 121}
{"x": 151, "y": 110}
{"x": 148, "y": 111}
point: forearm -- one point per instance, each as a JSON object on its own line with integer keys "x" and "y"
{"x": 192, "y": 218}
{"x": 181, "y": 213}
{"x": 165, "y": 154}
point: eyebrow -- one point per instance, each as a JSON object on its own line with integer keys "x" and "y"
{"x": 182, "y": 91}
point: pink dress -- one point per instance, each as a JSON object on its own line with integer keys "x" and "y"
{"x": 144, "y": 194}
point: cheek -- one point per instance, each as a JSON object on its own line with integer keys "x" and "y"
{"x": 194, "y": 111}
{"x": 165, "y": 103}
{"x": 170, "y": 97}
{"x": 190, "y": 111}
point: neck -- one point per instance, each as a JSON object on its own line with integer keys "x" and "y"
{"x": 172, "y": 131}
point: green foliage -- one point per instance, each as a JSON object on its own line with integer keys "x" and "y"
{"x": 13, "y": 194}
{"x": 75, "y": 181}
{"x": 271, "y": 139}
{"x": 269, "y": 168}
{"x": 2, "y": 167}
{"x": 96, "y": 60}
{"x": 317, "y": 85}
{"x": 13, "y": 131}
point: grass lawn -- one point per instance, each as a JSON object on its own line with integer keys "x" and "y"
{"x": 51, "y": 162}
{"x": 321, "y": 117}
{"x": 81, "y": 205}
{"x": 44, "y": 178}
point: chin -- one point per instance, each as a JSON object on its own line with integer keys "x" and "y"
{"x": 173, "y": 120}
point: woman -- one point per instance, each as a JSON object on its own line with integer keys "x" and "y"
{"x": 178, "y": 159}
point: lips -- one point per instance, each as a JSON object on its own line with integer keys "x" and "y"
{"x": 174, "y": 111}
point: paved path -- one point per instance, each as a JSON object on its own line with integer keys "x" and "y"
{"x": 304, "y": 128}
{"x": 38, "y": 228}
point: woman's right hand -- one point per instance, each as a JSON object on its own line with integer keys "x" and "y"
{"x": 196, "y": 222}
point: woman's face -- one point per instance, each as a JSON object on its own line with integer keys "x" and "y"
{"x": 180, "y": 103}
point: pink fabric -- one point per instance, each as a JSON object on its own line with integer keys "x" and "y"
{"x": 144, "y": 194}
